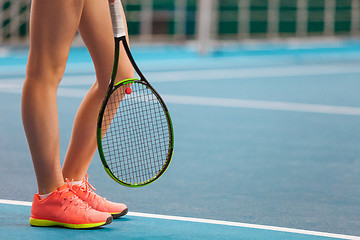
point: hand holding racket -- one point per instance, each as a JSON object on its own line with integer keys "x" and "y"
{"x": 134, "y": 130}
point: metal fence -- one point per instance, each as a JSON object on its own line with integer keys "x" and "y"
{"x": 208, "y": 21}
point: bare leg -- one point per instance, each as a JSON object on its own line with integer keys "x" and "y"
{"x": 96, "y": 30}
{"x": 53, "y": 25}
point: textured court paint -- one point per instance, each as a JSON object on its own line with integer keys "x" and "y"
{"x": 176, "y": 223}
{"x": 280, "y": 168}
{"x": 244, "y": 103}
{"x": 236, "y": 73}
{"x": 249, "y": 73}
{"x": 227, "y": 102}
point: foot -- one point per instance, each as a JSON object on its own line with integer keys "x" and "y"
{"x": 63, "y": 208}
{"x": 85, "y": 192}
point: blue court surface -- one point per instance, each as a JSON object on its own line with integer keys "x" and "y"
{"x": 267, "y": 144}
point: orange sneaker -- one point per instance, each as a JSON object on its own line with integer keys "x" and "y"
{"x": 84, "y": 192}
{"x": 63, "y": 208}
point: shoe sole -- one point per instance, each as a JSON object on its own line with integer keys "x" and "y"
{"x": 119, "y": 215}
{"x": 48, "y": 223}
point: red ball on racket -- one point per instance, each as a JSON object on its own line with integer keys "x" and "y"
{"x": 128, "y": 90}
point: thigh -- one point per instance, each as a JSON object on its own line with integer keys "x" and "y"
{"x": 96, "y": 31}
{"x": 53, "y": 25}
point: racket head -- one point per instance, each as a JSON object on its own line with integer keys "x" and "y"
{"x": 135, "y": 134}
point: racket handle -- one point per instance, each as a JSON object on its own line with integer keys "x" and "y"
{"x": 117, "y": 19}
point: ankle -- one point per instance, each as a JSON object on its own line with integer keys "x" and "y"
{"x": 50, "y": 189}
{"x": 43, "y": 196}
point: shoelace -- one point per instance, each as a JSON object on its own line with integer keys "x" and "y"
{"x": 86, "y": 187}
{"x": 73, "y": 200}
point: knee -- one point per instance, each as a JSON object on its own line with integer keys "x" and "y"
{"x": 45, "y": 73}
{"x": 45, "y": 70}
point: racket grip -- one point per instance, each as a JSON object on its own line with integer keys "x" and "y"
{"x": 117, "y": 19}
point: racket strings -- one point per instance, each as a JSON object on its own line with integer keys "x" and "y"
{"x": 136, "y": 134}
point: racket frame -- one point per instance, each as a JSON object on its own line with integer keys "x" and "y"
{"x": 171, "y": 142}
{"x": 113, "y": 88}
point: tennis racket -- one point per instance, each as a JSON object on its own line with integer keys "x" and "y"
{"x": 134, "y": 130}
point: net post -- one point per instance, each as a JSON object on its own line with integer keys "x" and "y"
{"x": 244, "y": 19}
{"x": 205, "y": 25}
{"x": 301, "y": 18}
{"x": 15, "y": 21}
{"x": 180, "y": 19}
{"x": 146, "y": 20}
{"x": 273, "y": 19}
{"x": 329, "y": 17}
{"x": 1, "y": 20}
{"x": 6, "y": 20}
{"x": 25, "y": 18}
{"x": 355, "y": 17}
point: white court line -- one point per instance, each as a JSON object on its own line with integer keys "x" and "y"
{"x": 218, "y": 222}
{"x": 15, "y": 202}
{"x": 224, "y": 73}
{"x": 250, "y": 73}
{"x": 265, "y": 105}
{"x": 240, "y": 103}
{"x": 221, "y": 102}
